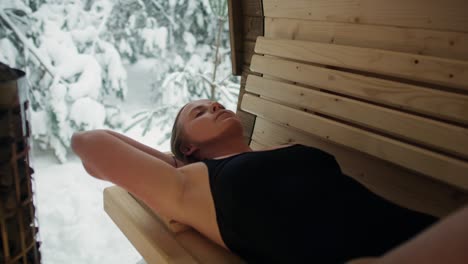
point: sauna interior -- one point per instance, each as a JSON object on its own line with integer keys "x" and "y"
{"x": 381, "y": 85}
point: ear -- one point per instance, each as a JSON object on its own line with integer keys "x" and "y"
{"x": 188, "y": 149}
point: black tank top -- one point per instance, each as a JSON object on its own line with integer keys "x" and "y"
{"x": 294, "y": 205}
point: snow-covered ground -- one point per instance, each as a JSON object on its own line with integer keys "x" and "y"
{"x": 73, "y": 225}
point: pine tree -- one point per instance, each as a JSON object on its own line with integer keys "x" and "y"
{"x": 71, "y": 67}
{"x": 197, "y": 55}
{"x": 73, "y": 53}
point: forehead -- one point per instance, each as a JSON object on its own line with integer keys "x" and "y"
{"x": 188, "y": 107}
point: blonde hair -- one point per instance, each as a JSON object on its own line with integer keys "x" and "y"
{"x": 178, "y": 138}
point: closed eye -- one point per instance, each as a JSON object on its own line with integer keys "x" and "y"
{"x": 199, "y": 113}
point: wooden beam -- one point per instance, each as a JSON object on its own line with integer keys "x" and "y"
{"x": 246, "y": 23}
{"x": 449, "y": 15}
{"x": 425, "y": 131}
{"x": 248, "y": 51}
{"x": 440, "y": 104}
{"x": 252, "y": 8}
{"x": 444, "y": 44}
{"x": 449, "y": 170}
{"x": 236, "y": 38}
{"x": 253, "y": 27}
{"x": 452, "y": 73}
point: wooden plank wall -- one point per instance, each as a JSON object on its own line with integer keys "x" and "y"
{"x": 412, "y": 46}
{"x": 246, "y": 23}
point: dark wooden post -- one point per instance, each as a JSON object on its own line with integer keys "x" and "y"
{"x": 246, "y": 23}
{"x": 17, "y": 214}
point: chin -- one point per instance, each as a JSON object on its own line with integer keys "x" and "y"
{"x": 236, "y": 129}
{"x": 232, "y": 127}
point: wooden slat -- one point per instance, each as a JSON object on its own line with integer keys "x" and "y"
{"x": 444, "y": 105}
{"x": 429, "y": 14}
{"x": 247, "y": 119}
{"x": 441, "y": 167}
{"x": 392, "y": 182}
{"x": 445, "y": 44}
{"x": 453, "y": 73}
{"x": 425, "y": 131}
{"x": 154, "y": 241}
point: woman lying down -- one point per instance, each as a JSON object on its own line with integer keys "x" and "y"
{"x": 284, "y": 204}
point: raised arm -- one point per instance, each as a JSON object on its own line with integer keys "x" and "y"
{"x": 170, "y": 159}
{"x": 152, "y": 180}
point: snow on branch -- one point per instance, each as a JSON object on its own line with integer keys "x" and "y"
{"x": 27, "y": 43}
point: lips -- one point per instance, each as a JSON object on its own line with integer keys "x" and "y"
{"x": 221, "y": 113}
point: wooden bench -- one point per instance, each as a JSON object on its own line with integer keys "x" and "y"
{"x": 158, "y": 239}
{"x": 377, "y": 111}
{"x": 305, "y": 95}
{"x": 382, "y": 86}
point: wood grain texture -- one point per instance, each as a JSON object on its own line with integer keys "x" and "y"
{"x": 252, "y": 22}
{"x": 235, "y": 35}
{"x": 154, "y": 241}
{"x": 449, "y": 170}
{"x": 441, "y": 104}
{"x": 252, "y": 27}
{"x": 149, "y": 236}
{"x": 248, "y": 123}
{"x": 248, "y": 51}
{"x": 251, "y": 7}
{"x": 247, "y": 119}
{"x": 428, "y": 132}
{"x": 452, "y": 73}
{"x": 444, "y": 44}
{"x": 395, "y": 183}
{"x": 447, "y": 15}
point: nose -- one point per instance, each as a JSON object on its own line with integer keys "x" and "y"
{"x": 215, "y": 106}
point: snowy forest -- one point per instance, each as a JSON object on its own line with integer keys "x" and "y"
{"x": 76, "y": 54}
{"x": 124, "y": 65}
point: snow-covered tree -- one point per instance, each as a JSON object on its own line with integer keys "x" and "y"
{"x": 196, "y": 63}
{"x": 71, "y": 67}
{"x": 74, "y": 51}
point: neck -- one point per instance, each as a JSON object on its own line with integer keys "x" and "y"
{"x": 224, "y": 149}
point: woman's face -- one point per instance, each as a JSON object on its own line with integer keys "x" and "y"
{"x": 205, "y": 121}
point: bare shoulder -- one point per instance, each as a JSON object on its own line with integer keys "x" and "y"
{"x": 193, "y": 169}
{"x": 195, "y": 179}
{"x": 197, "y": 201}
